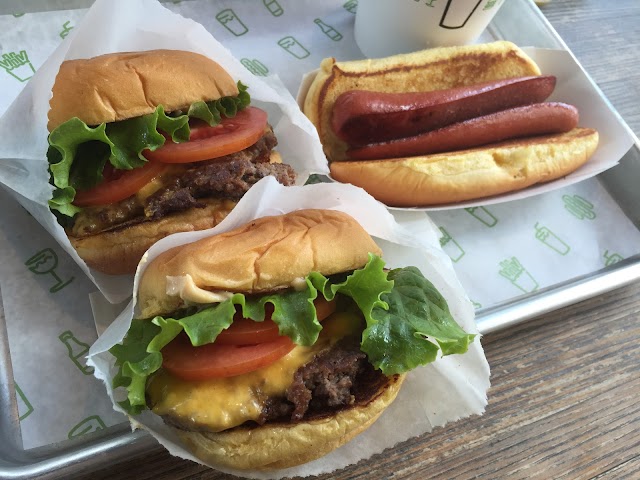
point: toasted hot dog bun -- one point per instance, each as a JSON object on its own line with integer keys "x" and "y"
{"x": 267, "y": 254}
{"x": 275, "y": 446}
{"x": 119, "y": 86}
{"x": 433, "y": 69}
{"x": 468, "y": 174}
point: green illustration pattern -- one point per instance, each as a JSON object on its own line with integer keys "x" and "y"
{"x": 45, "y": 261}
{"x": 512, "y": 270}
{"x": 18, "y": 65}
{"x": 490, "y": 4}
{"x": 232, "y": 22}
{"x": 77, "y": 351}
{"x": 450, "y": 246}
{"x": 294, "y": 47}
{"x": 24, "y": 405}
{"x": 274, "y": 7}
{"x": 551, "y": 240}
{"x": 351, "y": 6}
{"x": 476, "y": 305}
{"x": 579, "y": 207}
{"x": 66, "y": 28}
{"x": 611, "y": 258}
{"x": 483, "y": 215}
{"x": 255, "y": 66}
{"x": 328, "y": 30}
{"x": 88, "y": 425}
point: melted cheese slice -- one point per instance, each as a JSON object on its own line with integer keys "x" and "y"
{"x": 221, "y": 403}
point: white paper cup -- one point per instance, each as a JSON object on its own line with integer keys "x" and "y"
{"x": 387, "y": 27}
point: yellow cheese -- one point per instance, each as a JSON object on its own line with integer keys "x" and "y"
{"x": 221, "y": 403}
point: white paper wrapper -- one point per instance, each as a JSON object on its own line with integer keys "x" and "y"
{"x": 451, "y": 388}
{"x": 114, "y": 26}
{"x": 573, "y": 87}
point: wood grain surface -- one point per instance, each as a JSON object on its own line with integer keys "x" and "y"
{"x": 565, "y": 387}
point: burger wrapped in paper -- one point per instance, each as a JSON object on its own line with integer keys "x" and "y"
{"x": 276, "y": 342}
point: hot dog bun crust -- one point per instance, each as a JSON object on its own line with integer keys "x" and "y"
{"x": 118, "y": 86}
{"x": 275, "y": 446}
{"x": 468, "y": 174}
{"x": 433, "y": 69}
{"x": 265, "y": 255}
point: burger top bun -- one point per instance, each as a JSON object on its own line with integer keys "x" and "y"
{"x": 432, "y": 69}
{"x": 118, "y": 86}
{"x": 264, "y": 255}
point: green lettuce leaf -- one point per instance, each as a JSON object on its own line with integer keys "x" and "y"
{"x": 408, "y": 322}
{"x": 78, "y": 153}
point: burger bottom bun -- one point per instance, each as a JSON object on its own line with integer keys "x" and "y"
{"x": 469, "y": 174}
{"x": 118, "y": 251}
{"x": 279, "y": 446}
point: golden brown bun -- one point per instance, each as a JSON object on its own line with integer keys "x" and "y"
{"x": 467, "y": 174}
{"x": 118, "y": 86}
{"x": 264, "y": 255}
{"x": 278, "y": 446}
{"x": 118, "y": 251}
{"x": 433, "y": 69}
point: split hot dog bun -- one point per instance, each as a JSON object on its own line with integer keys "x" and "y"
{"x": 447, "y": 174}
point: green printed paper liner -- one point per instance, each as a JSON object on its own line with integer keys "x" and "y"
{"x": 104, "y": 29}
{"x": 451, "y": 388}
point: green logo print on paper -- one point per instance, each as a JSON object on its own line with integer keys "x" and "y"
{"x": 45, "y": 261}
{"x": 483, "y": 215}
{"x": 274, "y": 7}
{"x": 18, "y": 65}
{"x": 512, "y": 270}
{"x": 294, "y": 47}
{"x": 490, "y": 4}
{"x": 24, "y": 406}
{"x": 328, "y": 30}
{"x": 231, "y": 22}
{"x": 579, "y": 207}
{"x": 611, "y": 258}
{"x": 551, "y": 240}
{"x": 76, "y": 350}
{"x": 476, "y": 305}
{"x": 88, "y": 425}
{"x": 255, "y": 66}
{"x": 351, "y": 6}
{"x": 450, "y": 246}
{"x": 66, "y": 28}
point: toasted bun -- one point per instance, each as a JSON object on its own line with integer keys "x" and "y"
{"x": 433, "y": 69}
{"x": 466, "y": 174}
{"x": 118, "y": 86}
{"x": 286, "y": 445}
{"x": 118, "y": 251}
{"x": 266, "y": 254}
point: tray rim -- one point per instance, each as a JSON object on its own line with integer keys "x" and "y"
{"x": 118, "y": 443}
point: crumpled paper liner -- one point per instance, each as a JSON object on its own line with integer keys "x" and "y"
{"x": 453, "y": 387}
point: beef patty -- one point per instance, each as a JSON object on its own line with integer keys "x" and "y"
{"x": 229, "y": 177}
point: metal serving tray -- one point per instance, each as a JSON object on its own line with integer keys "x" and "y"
{"x": 519, "y": 21}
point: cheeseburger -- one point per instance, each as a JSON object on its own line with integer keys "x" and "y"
{"x": 146, "y": 144}
{"x": 273, "y": 344}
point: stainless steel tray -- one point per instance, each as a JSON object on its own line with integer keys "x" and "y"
{"x": 519, "y": 21}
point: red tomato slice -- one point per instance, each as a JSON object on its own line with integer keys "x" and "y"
{"x": 118, "y": 185}
{"x": 205, "y": 142}
{"x": 244, "y": 331}
{"x": 212, "y": 361}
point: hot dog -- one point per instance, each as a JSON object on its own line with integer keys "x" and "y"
{"x": 439, "y": 137}
{"x": 527, "y": 121}
{"x": 361, "y": 117}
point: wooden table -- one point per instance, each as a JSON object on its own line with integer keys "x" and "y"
{"x": 565, "y": 386}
